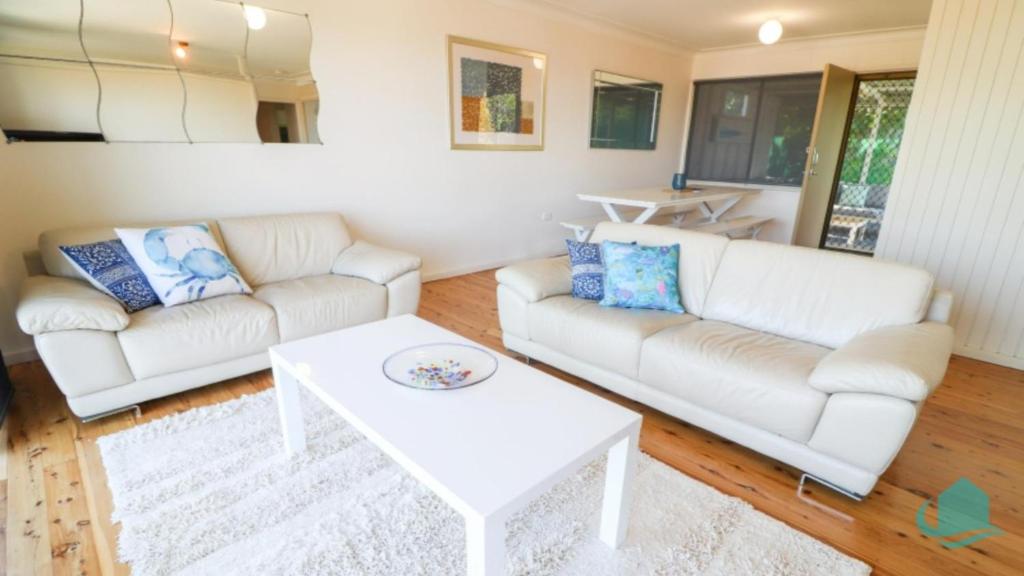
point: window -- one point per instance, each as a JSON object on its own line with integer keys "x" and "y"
{"x": 625, "y": 112}
{"x": 752, "y": 130}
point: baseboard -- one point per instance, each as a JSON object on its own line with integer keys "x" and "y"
{"x": 28, "y": 354}
{"x": 990, "y": 357}
{"x": 462, "y": 271}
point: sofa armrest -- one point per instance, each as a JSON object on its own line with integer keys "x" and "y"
{"x": 373, "y": 263}
{"x": 51, "y": 304}
{"x": 536, "y": 280}
{"x": 902, "y": 361}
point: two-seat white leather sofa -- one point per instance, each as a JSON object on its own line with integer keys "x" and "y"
{"x": 818, "y": 359}
{"x": 308, "y": 277}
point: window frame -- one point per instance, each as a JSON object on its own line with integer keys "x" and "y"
{"x": 761, "y": 80}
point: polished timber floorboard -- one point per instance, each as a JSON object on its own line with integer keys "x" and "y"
{"x": 54, "y": 497}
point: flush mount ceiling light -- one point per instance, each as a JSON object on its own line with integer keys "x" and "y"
{"x": 255, "y": 17}
{"x": 770, "y": 32}
{"x": 181, "y": 50}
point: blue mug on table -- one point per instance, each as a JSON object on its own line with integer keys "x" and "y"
{"x": 679, "y": 181}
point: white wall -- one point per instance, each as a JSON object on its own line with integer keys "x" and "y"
{"x": 862, "y": 53}
{"x": 957, "y": 201}
{"x": 866, "y": 52}
{"x": 381, "y": 71}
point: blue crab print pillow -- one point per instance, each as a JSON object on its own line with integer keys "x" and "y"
{"x": 641, "y": 276}
{"x": 183, "y": 263}
{"x": 111, "y": 269}
{"x": 587, "y": 270}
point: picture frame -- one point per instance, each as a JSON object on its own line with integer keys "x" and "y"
{"x": 496, "y": 96}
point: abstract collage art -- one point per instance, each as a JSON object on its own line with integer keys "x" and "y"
{"x": 497, "y": 96}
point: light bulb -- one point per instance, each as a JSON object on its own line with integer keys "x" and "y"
{"x": 255, "y": 17}
{"x": 770, "y": 32}
{"x": 181, "y": 50}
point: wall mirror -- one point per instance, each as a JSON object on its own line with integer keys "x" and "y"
{"x": 625, "y": 112}
{"x": 155, "y": 71}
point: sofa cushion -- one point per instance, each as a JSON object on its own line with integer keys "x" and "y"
{"x": 699, "y": 255}
{"x": 373, "y": 263}
{"x": 536, "y": 280}
{"x": 50, "y": 304}
{"x": 607, "y": 337}
{"x": 319, "y": 304}
{"x": 907, "y": 362}
{"x": 274, "y": 248}
{"x": 164, "y": 340}
{"x": 753, "y": 377}
{"x": 816, "y": 296}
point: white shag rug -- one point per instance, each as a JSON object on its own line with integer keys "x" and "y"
{"x": 209, "y": 491}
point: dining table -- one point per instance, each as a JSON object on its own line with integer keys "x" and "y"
{"x": 651, "y": 201}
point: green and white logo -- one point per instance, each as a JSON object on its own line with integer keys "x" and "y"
{"x": 962, "y": 512}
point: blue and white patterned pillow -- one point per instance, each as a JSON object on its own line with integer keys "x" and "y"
{"x": 110, "y": 268}
{"x": 641, "y": 276}
{"x": 587, "y": 270}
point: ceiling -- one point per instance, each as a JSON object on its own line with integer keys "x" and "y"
{"x": 707, "y": 24}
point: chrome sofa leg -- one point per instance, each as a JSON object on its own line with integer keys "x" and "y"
{"x": 133, "y": 407}
{"x": 824, "y": 508}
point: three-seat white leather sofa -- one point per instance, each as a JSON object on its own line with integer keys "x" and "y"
{"x": 308, "y": 277}
{"x": 818, "y": 359}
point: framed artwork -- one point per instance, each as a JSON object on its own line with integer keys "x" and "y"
{"x": 496, "y": 96}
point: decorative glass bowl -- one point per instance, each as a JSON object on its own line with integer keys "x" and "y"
{"x": 441, "y": 366}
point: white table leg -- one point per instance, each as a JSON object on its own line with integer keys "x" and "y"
{"x": 612, "y": 213}
{"x": 644, "y": 216}
{"x": 618, "y": 488}
{"x": 485, "y": 546}
{"x": 290, "y": 410}
{"x": 714, "y": 214}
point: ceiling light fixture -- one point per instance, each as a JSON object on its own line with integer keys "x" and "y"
{"x": 181, "y": 50}
{"x": 255, "y": 17}
{"x": 770, "y": 32}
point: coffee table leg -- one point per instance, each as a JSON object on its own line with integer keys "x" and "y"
{"x": 485, "y": 546}
{"x": 290, "y": 409}
{"x": 618, "y": 488}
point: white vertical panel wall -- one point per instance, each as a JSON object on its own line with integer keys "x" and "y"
{"x": 957, "y": 200}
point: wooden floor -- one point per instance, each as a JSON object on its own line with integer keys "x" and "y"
{"x": 57, "y": 505}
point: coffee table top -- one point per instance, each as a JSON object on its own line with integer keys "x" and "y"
{"x": 486, "y": 448}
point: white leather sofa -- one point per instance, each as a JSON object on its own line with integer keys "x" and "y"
{"x": 818, "y": 359}
{"x": 308, "y": 277}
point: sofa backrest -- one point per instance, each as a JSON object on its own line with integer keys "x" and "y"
{"x": 57, "y": 264}
{"x": 816, "y": 296}
{"x": 269, "y": 249}
{"x": 699, "y": 255}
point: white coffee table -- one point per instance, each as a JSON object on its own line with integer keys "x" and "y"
{"x": 487, "y": 449}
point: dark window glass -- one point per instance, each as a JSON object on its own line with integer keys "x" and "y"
{"x": 752, "y": 130}
{"x": 625, "y": 112}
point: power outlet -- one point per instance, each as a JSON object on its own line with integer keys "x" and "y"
{"x": 545, "y": 216}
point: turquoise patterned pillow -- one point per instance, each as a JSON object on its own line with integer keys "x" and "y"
{"x": 641, "y": 276}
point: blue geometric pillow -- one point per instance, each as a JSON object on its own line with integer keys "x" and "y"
{"x": 587, "y": 270}
{"x": 110, "y": 268}
{"x": 641, "y": 276}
